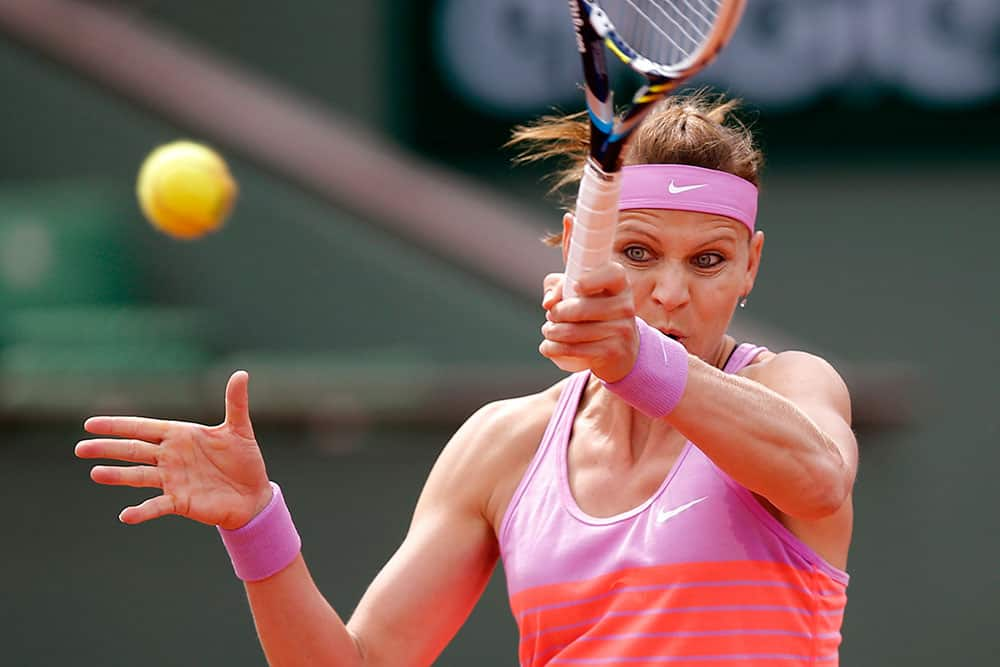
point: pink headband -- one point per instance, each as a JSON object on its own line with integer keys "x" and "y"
{"x": 679, "y": 187}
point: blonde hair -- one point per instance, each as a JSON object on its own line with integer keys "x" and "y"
{"x": 697, "y": 129}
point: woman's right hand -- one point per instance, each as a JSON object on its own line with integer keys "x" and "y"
{"x": 211, "y": 474}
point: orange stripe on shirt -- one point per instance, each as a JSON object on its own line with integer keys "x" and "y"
{"x": 642, "y": 609}
{"x": 734, "y": 627}
{"x": 684, "y": 572}
{"x": 691, "y": 643}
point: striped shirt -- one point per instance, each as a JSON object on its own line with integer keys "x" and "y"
{"x": 699, "y": 574}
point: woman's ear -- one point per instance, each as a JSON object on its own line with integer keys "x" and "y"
{"x": 566, "y": 234}
{"x": 753, "y": 261}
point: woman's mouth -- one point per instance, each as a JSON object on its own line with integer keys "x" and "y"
{"x": 669, "y": 333}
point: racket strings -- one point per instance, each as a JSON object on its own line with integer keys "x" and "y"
{"x": 668, "y": 32}
{"x": 706, "y": 14}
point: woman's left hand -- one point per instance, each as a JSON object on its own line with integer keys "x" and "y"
{"x": 596, "y": 327}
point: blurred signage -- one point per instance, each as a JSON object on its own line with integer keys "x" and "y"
{"x": 512, "y": 57}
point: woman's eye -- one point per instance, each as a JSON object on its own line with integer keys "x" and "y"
{"x": 636, "y": 253}
{"x": 707, "y": 260}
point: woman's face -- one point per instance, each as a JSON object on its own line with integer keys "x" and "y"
{"x": 688, "y": 272}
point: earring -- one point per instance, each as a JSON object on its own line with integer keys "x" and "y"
{"x": 743, "y": 302}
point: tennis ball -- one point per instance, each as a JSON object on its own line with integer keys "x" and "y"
{"x": 185, "y": 189}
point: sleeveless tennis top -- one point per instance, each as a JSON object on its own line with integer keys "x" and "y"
{"x": 699, "y": 574}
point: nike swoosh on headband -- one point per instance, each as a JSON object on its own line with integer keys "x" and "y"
{"x": 709, "y": 191}
{"x": 675, "y": 189}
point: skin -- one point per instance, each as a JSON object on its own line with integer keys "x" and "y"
{"x": 781, "y": 427}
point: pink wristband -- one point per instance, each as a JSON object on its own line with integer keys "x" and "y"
{"x": 266, "y": 545}
{"x": 656, "y": 382}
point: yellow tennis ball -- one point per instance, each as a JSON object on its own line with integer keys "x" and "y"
{"x": 185, "y": 189}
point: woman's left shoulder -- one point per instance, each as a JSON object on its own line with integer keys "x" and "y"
{"x": 795, "y": 367}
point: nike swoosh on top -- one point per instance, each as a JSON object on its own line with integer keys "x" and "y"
{"x": 675, "y": 189}
{"x": 664, "y": 515}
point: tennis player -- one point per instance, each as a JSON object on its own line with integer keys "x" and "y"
{"x": 686, "y": 499}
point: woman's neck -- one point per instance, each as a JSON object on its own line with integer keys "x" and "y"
{"x": 615, "y": 422}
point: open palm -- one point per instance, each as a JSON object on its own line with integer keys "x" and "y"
{"x": 211, "y": 474}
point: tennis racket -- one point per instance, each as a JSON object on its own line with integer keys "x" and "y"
{"x": 667, "y": 42}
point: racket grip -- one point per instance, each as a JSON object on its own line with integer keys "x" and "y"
{"x": 593, "y": 225}
{"x": 592, "y": 237}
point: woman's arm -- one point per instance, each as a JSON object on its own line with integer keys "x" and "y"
{"x": 421, "y": 597}
{"x": 216, "y": 475}
{"x": 783, "y": 431}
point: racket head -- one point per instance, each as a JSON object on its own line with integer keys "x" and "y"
{"x": 666, "y": 39}
{"x": 677, "y": 38}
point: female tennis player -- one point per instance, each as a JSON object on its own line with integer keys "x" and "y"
{"x": 686, "y": 499}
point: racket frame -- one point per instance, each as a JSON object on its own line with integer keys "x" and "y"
{"x": 596, "y": 214}
{"x": 595, "y": 32}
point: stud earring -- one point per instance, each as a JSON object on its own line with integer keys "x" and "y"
{"x": 743, "y": 302}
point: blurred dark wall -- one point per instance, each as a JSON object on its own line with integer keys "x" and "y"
{"x": 884, "y": 254}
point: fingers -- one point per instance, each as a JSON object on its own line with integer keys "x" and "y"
{"x": 238, "y": 404}
{"x": 586, "y": 352}
{"x": 585, "y": 332}
{"x": 553, "y": 286}
{"x": 137, "y": 476}
{"x": 140, "y": 428}
{"x": 132, "y": 451}
{"x": 594, "y": 330}
{"x": 153, "y": 508}
{"x": 592, "y": 309}
{"x": 602, "y": 294}
{"x": 609, "y": 279}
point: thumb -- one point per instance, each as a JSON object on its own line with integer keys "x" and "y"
{"x": 238, "y": 404}
{"x": 553, "y": 286}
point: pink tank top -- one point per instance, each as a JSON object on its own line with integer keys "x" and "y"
{"x": 700, "y": 573}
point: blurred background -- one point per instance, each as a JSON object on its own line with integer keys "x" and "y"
{"x": 379, "y": 279}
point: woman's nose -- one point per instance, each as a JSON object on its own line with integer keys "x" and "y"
{"x": 670, "y": 289}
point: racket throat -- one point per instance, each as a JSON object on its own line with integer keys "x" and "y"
{"x": 606, "y": 156}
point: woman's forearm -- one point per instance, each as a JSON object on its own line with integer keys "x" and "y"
{"x": 763, "y": 440}
{"x": 295, "y": 623}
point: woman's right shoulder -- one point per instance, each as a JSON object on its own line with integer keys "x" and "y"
{"x": 512, "y": 422}
{"x": 495, "y": 445}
